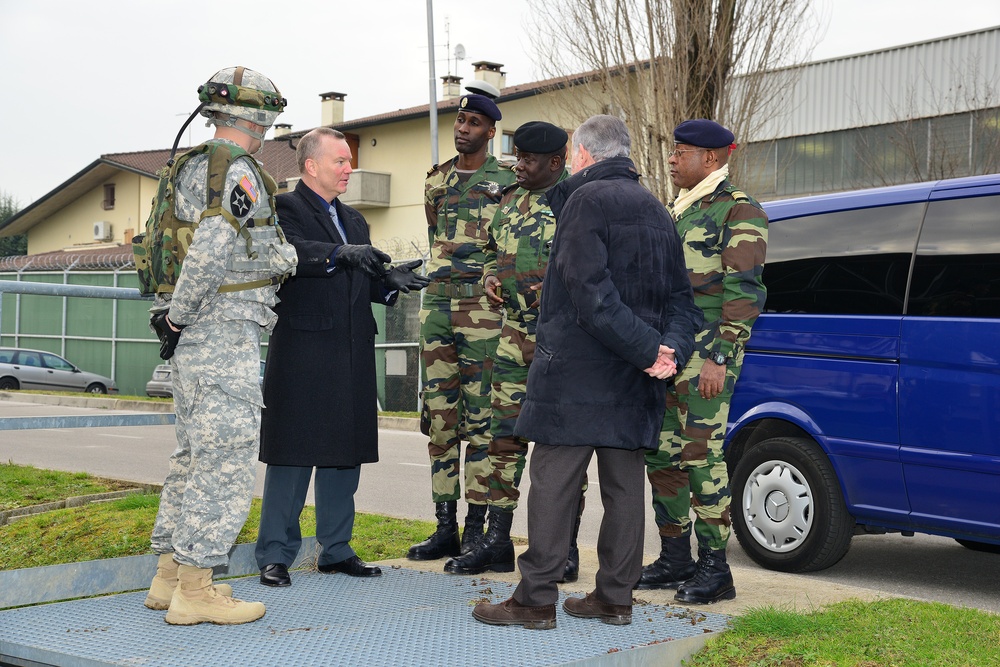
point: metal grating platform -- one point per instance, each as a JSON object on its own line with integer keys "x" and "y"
{"x": 404, "y": 618}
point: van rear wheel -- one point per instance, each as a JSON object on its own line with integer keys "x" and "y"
{"x": 788, "y": 511}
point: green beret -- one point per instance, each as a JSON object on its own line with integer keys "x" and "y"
{"x": 540, "y": 137}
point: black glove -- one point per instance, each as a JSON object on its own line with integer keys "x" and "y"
{"x": 365, "y": 257}
{"x": 168, "y": 337}
{"x": 403, "y": 278}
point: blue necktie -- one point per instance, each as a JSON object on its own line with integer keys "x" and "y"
{"x": 336, "y": 223}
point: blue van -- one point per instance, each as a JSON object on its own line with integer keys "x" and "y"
{"x": 869, "y": 400}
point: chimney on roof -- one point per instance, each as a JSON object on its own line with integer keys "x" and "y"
{"x": 491, "y": 73}
{"x": 281, "y": 129}
{"x": 451, "y": 86}
{"x": 332, "y": 108}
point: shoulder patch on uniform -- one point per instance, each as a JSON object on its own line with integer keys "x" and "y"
{"x": 740, "y": 196}
{"x": 247, "y": 186}
{"x": 239, "y": 200}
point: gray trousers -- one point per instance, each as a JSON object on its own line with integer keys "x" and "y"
{"x": 556, "y": 473}
{"x": 285, "y": 488}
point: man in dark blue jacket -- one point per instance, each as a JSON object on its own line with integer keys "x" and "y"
{"x": 617, "y": 319}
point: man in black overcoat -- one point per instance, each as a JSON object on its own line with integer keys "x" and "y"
{"x": 319, "y": 380}
{"x": 617, "y": 318}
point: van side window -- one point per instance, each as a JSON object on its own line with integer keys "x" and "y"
{"x": 842, "y": 263}
{"x": 957, "y": 270}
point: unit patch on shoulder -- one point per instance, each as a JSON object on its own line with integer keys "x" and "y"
{"x": 243, "y": 196}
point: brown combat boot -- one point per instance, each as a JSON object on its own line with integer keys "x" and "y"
{"x": 196, "y": 601}
{"x": 162, "y": 587}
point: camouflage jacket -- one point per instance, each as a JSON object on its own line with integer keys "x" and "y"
{"x": 459, "y": 213}
{"x": 518, "y": 248}
{"x": 217, "y": 253}
{"x": 725, "y": 241}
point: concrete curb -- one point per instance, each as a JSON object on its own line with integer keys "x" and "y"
{"x": 87, "y": 401}
{"x": 8, "y": 516}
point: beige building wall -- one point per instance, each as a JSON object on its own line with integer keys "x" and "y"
{"x": 403, "y": 150}
{"x": 73, "y": 225}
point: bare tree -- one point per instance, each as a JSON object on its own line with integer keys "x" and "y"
{"x": 658, "y": 62}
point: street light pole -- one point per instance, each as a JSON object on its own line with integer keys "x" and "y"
{"x": 432, "y": 107}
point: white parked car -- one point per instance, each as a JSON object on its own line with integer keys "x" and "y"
{"x": 21, "y": 368}
{"x": 161, "y": 384}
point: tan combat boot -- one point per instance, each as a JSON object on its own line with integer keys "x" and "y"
{"x": 195, "y": 601}
{"x": 165, "y": 581}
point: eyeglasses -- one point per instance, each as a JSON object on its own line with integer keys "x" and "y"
{"x": 677, "y": 151}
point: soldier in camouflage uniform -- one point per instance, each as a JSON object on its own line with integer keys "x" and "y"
{"x": 458, "y": 330}
{"x": 216, "y": 333}
{"x": 725, "y": 240}
{"x": 516, "y": 257}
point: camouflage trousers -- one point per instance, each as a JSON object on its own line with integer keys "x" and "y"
{"x": 689, "y": 469}
{"x": 217, "y": 399}
{"x": 458, "y": 338}
{"x": 508, "y": 453}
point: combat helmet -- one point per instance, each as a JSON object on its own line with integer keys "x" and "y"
{"x": 240, "y": 93}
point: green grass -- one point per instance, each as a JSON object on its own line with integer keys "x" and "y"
{"x": 890, "y": 633}
{"x": 122, "y": 527}
{"x": 157, "y": 399}
{"x": 21, "y": 486}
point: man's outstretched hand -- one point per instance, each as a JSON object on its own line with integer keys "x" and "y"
{"x": 403, "y": 278}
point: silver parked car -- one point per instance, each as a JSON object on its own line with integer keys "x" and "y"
{"x": 21, "y": 368}
{"x": 161, "y": 384}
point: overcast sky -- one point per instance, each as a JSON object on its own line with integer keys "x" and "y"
{"x": 81, "y": 78}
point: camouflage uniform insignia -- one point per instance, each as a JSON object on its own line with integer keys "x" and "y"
{"x": 239, "y": 202}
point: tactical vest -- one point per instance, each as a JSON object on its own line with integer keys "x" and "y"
{"x": 159, "y": 253}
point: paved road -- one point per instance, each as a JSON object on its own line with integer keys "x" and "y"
{"x": 925, "y": 567}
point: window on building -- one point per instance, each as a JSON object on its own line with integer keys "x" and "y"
{"x": 507, "y": 145}
{"x": 109, "y": 196}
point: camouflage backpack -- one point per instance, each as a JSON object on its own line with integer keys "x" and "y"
{"x": 160, "y": 251}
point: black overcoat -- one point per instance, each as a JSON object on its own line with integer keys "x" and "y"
{"x": 319, "y": 380}
{"x": 615, "y": 288}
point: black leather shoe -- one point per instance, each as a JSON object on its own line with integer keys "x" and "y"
{"x": 353, "y": 566}
{"x": 275, "y": 574}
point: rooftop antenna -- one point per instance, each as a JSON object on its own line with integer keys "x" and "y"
{"x": 459, "y": 55}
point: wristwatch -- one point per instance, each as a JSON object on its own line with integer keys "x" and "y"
{"x": 719, "y": 358}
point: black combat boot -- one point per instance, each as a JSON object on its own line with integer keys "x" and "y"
{"x": 473, "y": 532}
{"x": 444, "y": 541}
{"x": 672, "y": 568}
{"x": 494, "y": 552}
{"x": 572, "y": 570}
{"x": 712, "y": 582}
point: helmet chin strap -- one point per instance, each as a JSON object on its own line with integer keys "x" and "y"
{"x": 232, "y": 121}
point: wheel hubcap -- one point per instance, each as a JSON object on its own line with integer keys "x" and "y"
{"x": 778, "y": 506}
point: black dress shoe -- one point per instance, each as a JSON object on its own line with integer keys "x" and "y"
{"x": 353, "y": 566}
{"x": 275, "y": 574}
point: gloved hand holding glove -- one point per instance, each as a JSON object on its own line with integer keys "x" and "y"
{"x": 365, "y": 257}
{"x": 168, "y": 337}
{"x": 403, "y": 278}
